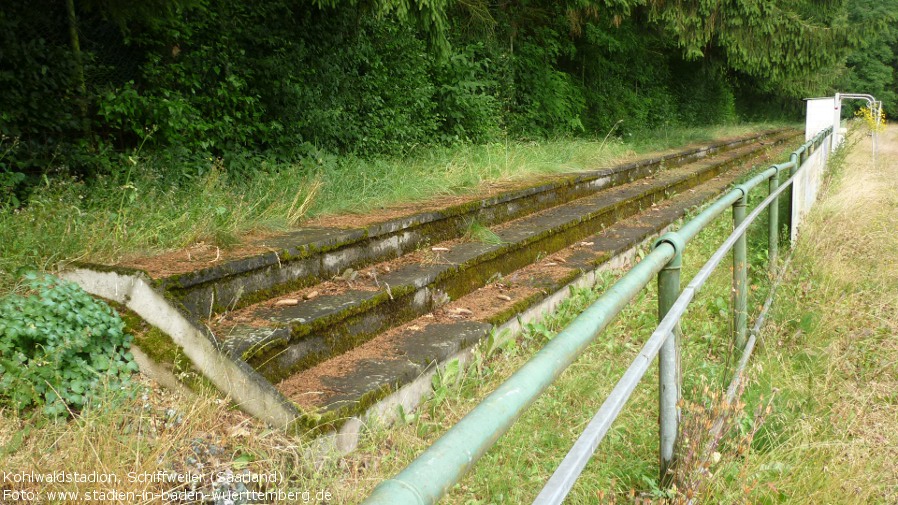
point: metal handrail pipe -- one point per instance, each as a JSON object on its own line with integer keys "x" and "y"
{"x": 444, "y": 463}
{"x": 689, "y": 230}
{"x": 861, "y": 96}
{"x": 561, "y": 482}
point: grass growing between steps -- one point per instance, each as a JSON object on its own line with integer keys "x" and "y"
{"x": 625, "y": 468}
{"x": 142, "y": 209}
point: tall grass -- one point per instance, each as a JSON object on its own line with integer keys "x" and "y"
{"x": 830, "y": 354}
{"x": 150, "y": 206}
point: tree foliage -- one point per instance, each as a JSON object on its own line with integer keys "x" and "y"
{"x": 872, "y": 67}
{"x": 194, "y": 80}
{"x": 791, "y": 44}
{"x": 59, "y": 346}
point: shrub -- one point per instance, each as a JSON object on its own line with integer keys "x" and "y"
{"x": 58, "y": 346}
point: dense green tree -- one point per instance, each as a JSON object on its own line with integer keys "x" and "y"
{"x": 873, "y": 66}
{"x": 793, "y": 45}
{"x": 198, "y": 79}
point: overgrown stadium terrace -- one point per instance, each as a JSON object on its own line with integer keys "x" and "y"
{"x": 329, "y": 322}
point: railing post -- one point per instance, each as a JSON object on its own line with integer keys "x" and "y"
{"x": 740, "y": 274}
{"x": 669, "y": 360}
{"x": 773, "y": 213}
{"x": 794, "y": 160}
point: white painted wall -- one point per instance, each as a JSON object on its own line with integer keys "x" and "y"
{"x": 807, "y": 184}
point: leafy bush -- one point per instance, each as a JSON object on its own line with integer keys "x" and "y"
{"x": 196, "y": 81}
{"x": 547, "y": 101}
{"x": 466, "y": 96}
{"x": 58, "y": 345}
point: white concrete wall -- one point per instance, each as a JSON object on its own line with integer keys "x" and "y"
{"x": 807, "y": 184}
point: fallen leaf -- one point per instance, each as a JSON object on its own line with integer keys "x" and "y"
{"x": 348, "y": 275}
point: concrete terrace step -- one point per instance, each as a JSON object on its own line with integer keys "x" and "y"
{"x": 349, "y": 383}
{"x": 306, "y": 257}
{"x": 280, "y": 340}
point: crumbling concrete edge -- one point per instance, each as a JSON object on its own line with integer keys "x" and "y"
{"x": 246, "y": 388}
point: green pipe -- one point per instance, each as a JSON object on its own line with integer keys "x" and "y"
{"x": 669, "y": 361}
{"x": 773, "y": 222}
{"x": 444, "y": 463}
{"x": 689, "y": 230}
{"x": 740, "y": 275}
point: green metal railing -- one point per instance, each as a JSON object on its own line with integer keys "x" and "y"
{"x": 444, "y": 463}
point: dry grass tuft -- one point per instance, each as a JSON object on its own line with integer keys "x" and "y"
{"x": 198, "y": 437}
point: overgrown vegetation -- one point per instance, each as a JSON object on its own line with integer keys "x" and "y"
{"x": 152, "y": 126}
{"x": 511, "y": 473}
{"x": 59, "y": 347}
{"x": 193, "y": 82}
{"x": 129, "y": 127}
{"x": 830, "y": 352}
{"x": 138, "y": 210}
{"x": 816, "y": 424}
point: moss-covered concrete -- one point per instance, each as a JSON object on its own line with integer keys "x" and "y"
{"x": 160, "y": 348}
{"x": 331, "y": 325}
{"x": 305, "y": 257}
{"x": 354, "y": 398}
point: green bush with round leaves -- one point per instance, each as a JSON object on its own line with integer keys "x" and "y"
{"x": 59, "y": 346}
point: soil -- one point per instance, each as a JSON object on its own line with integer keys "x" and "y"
{"x": 199, "y": 256}
{"x": 366, "y": 279}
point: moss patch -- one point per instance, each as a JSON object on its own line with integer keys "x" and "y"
{"x": 160, "y": 348}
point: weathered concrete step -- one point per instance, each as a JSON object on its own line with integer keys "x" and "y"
{"x": 309, "y": 256}
{"x": 348, "y": 384}
{"x": 279, "y": 340}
